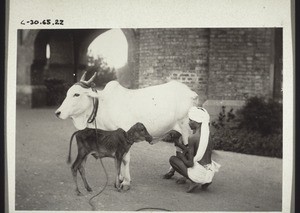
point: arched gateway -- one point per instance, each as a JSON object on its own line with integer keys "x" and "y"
{"x": 68, "y": 58}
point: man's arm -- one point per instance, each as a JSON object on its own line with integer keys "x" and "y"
{"x": 180, "y": 145}
{"x": 189, "y": 160}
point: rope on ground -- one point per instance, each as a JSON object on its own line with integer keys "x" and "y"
{"x": 153, "y": 208}
{"x": 106, "y": 183}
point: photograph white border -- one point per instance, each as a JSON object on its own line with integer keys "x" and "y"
{"x": 153, "y": 14}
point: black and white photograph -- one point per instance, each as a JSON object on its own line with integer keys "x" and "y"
{"x": 113, "y": 117}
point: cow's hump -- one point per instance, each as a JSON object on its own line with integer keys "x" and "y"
{"x": 111, "y": 85}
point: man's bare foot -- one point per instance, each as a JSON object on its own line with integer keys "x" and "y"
{"x": 168, "y": 175}
{"x": 181, "y": 180}
{"x": 192, "y": 187}
{"x": 204, "y": 186}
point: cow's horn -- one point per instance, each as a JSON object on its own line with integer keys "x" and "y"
{"x": 83, "y": 76}
{"x": 92, "y": 78}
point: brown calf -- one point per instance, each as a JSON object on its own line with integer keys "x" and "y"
{"x": 101, "y": 143}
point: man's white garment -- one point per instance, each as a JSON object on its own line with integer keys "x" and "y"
{"x": 198, "y": 173}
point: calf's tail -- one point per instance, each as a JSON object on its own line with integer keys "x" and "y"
{"x": 70, "y": 147}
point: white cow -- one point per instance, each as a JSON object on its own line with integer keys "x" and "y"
{"x": 160, "y": 108}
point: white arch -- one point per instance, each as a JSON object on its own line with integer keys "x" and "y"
{"x": 112, "y": 46}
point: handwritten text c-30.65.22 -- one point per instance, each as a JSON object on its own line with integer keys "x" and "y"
{"x": 42, "y": 22}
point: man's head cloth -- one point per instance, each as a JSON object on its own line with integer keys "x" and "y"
{"x": 198, "y": 114}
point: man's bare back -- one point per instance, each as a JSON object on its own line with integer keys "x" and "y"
{"x": 194, "y": 140}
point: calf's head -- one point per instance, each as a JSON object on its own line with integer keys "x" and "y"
{"x": 138, "y": 132}
{"x": 171, "y": 136}
{"x": 78, "y": 103}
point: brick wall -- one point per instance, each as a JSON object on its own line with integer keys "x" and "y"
{"x": 219, "y": 64}
{"x": 239, "y": 63}
{"x": 179, "y": 54}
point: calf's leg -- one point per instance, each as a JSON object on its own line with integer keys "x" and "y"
{"x": 125, "y": 172}
{"x": 118, "y": 168}
{"x": 75, "y": 166}
{"x": 82, "y": 173}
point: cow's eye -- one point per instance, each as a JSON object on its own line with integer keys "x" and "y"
{"x": 76, "y": 95}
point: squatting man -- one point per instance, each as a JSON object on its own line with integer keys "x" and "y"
{"x": 194, "y": 162}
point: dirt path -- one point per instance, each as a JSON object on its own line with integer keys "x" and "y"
{"x": 44, "y": 181}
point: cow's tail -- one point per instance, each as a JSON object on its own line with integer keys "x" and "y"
{"x": 70, "y": 147}
{"x": 195, "y": 99}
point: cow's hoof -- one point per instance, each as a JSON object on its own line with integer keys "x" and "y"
{"x": 121, "y": 178}
{"x": 126, "y": 187}
{"x": 89, "y": 189}
{"x": 168, "y": 175}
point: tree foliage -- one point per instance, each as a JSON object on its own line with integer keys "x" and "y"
{"x": 254, "y": 129}
{"x": 104, "y": 72}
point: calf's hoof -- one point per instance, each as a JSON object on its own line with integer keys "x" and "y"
{"x": 89, "y": 189}
{"x": 117, "y": 186}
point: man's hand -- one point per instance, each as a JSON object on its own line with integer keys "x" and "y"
{"x": 181, "y": 156}
{"x": 179, "y": 143}
{"x": 176, "y": 143}
{"x": 184, "y": 158}
{"x": 185, "y": 152}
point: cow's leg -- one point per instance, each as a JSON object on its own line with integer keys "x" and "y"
{"x": 82, "y": 173}
{"x": 118, "y": 168}
{"x": 75, "y": 167}
{"x": 125, "y": 172}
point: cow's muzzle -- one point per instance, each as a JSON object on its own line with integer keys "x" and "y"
{"x": 149, "y": 139}
{"x": 57, "y": 113}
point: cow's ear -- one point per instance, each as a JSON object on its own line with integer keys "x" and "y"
{"x": 93, "y": 94}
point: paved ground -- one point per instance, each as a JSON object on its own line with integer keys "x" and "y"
{"x": 44, "y": 181}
